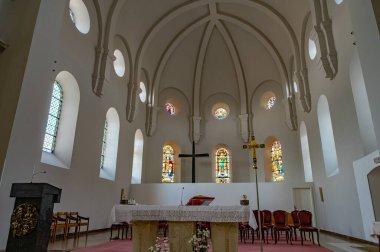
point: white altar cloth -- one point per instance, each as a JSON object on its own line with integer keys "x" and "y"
{"x": 180, "y": 213}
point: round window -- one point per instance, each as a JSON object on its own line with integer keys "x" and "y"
{"x": 220, "y": 111}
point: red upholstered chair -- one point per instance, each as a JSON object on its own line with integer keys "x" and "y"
{"x": 281, "y": 225}
{"x": 263, "y": 227}
{"x": 296, "y": 222}
{"x": 267, "y": 217}
{"x": 305, "y": 218}
{"x": 163, "y": 225}
{"x": 244, "y": 229}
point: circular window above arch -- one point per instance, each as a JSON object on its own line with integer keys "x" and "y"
{"x": 79, "y": 15}
{"x": 119, "y": 63}
{"x": 312, "y": 49}
{"x": 142, "y": 95}
{"x": 338, "y": 1}
{"x": 220, "y": 111}
{"x": 170, "y": 108}
{"x": 268, "y": 100}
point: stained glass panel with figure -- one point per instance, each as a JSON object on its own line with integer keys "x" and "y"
{"x": 222, "y": 166}
{"x": 167, "y": 164}
{"x": 277, "y": 163}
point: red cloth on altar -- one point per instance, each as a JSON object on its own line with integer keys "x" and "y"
{"x": 200, "y": 200}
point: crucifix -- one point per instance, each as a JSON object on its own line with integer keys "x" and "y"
{"x": 253, "y": 146}
{"x": 193, "y": 156}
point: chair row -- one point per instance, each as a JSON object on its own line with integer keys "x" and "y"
{"x": 276, "y": 223}
{"x": 67, "y": 220}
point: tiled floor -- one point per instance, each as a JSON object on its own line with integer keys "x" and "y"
{"x": 331, "y": 242}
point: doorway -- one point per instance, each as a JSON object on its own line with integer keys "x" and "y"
{"x": 303, "y": 200}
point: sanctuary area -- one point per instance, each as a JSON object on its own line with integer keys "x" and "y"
{"x": 152, "y": 103}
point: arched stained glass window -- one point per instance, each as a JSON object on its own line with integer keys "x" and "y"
{"x": 170, "y": 108}
{"x": 104, "y": 144}
{"x": 167, "y": 164}
{"x": 53, "y": 118}
{"x": 223, "y": 174}
{"x": 277, "y": 164}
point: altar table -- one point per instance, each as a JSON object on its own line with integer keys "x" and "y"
{"x": 181, "y": 219}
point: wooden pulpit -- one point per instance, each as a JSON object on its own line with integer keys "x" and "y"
{"x": 32, "y": 216}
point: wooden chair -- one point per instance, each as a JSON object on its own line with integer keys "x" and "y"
{"x": 281, "y": 225}
{"x": 123, "y": 226}
{"x": 77, "y": 221}
{"x": 244, "y": 229}
{"x": 305, "y": 220}
{"x": 296, "y": 222}
{"x": 59, "y": 222}
{"x": 263, "y": 227}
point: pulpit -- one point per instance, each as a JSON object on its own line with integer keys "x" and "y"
{"x": 32, "y": 216}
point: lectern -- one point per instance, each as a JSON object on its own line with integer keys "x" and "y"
{"x": 32, "y": 216}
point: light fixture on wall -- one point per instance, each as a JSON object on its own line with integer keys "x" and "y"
{"x": 376, "y": 160}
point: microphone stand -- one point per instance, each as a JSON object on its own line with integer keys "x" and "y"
{"x": 34, "y": 174}
{"x": 182, "y": 195}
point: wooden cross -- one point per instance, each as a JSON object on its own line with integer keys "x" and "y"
{"x": 253, "y": 145}
{"x": 193, "y": 156}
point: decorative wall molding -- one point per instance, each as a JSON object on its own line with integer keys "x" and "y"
{"x": 323, "y": 27}
{"x": 195, "y": 127}
{"x": 244, "y": 127}
{"x": 103, "y": 60}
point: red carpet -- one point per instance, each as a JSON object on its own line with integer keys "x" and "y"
{"x": 126, "y": 246}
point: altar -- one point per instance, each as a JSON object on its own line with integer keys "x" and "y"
{"x": 181, "y": 219}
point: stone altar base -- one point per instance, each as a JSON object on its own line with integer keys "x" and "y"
{"x": 144, "y": 235}
{"x": 224, "y": 237}
{"x": 180, "y": 232}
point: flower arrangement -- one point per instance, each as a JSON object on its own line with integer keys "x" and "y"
{"x": 199, "y": 241}
{"x": 161, "y": 245}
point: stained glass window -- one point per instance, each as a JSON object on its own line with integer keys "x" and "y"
{"x": 270, "y": 103}
{"x": 220, "y": 113}
{"x": 53, "y": 118}
{"x": 170, "y": 108}
{"x": 72, "y": 16}
{"x": 222, "y": 166}
{"x": 167, "y": 164}
{"x": 104, "y": 144}
{"x": 277, "y": 164}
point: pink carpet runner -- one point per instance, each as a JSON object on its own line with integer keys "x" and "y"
{"x": 126, "y": 246}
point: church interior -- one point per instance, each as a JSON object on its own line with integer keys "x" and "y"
{"x": 99, "y": 97}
